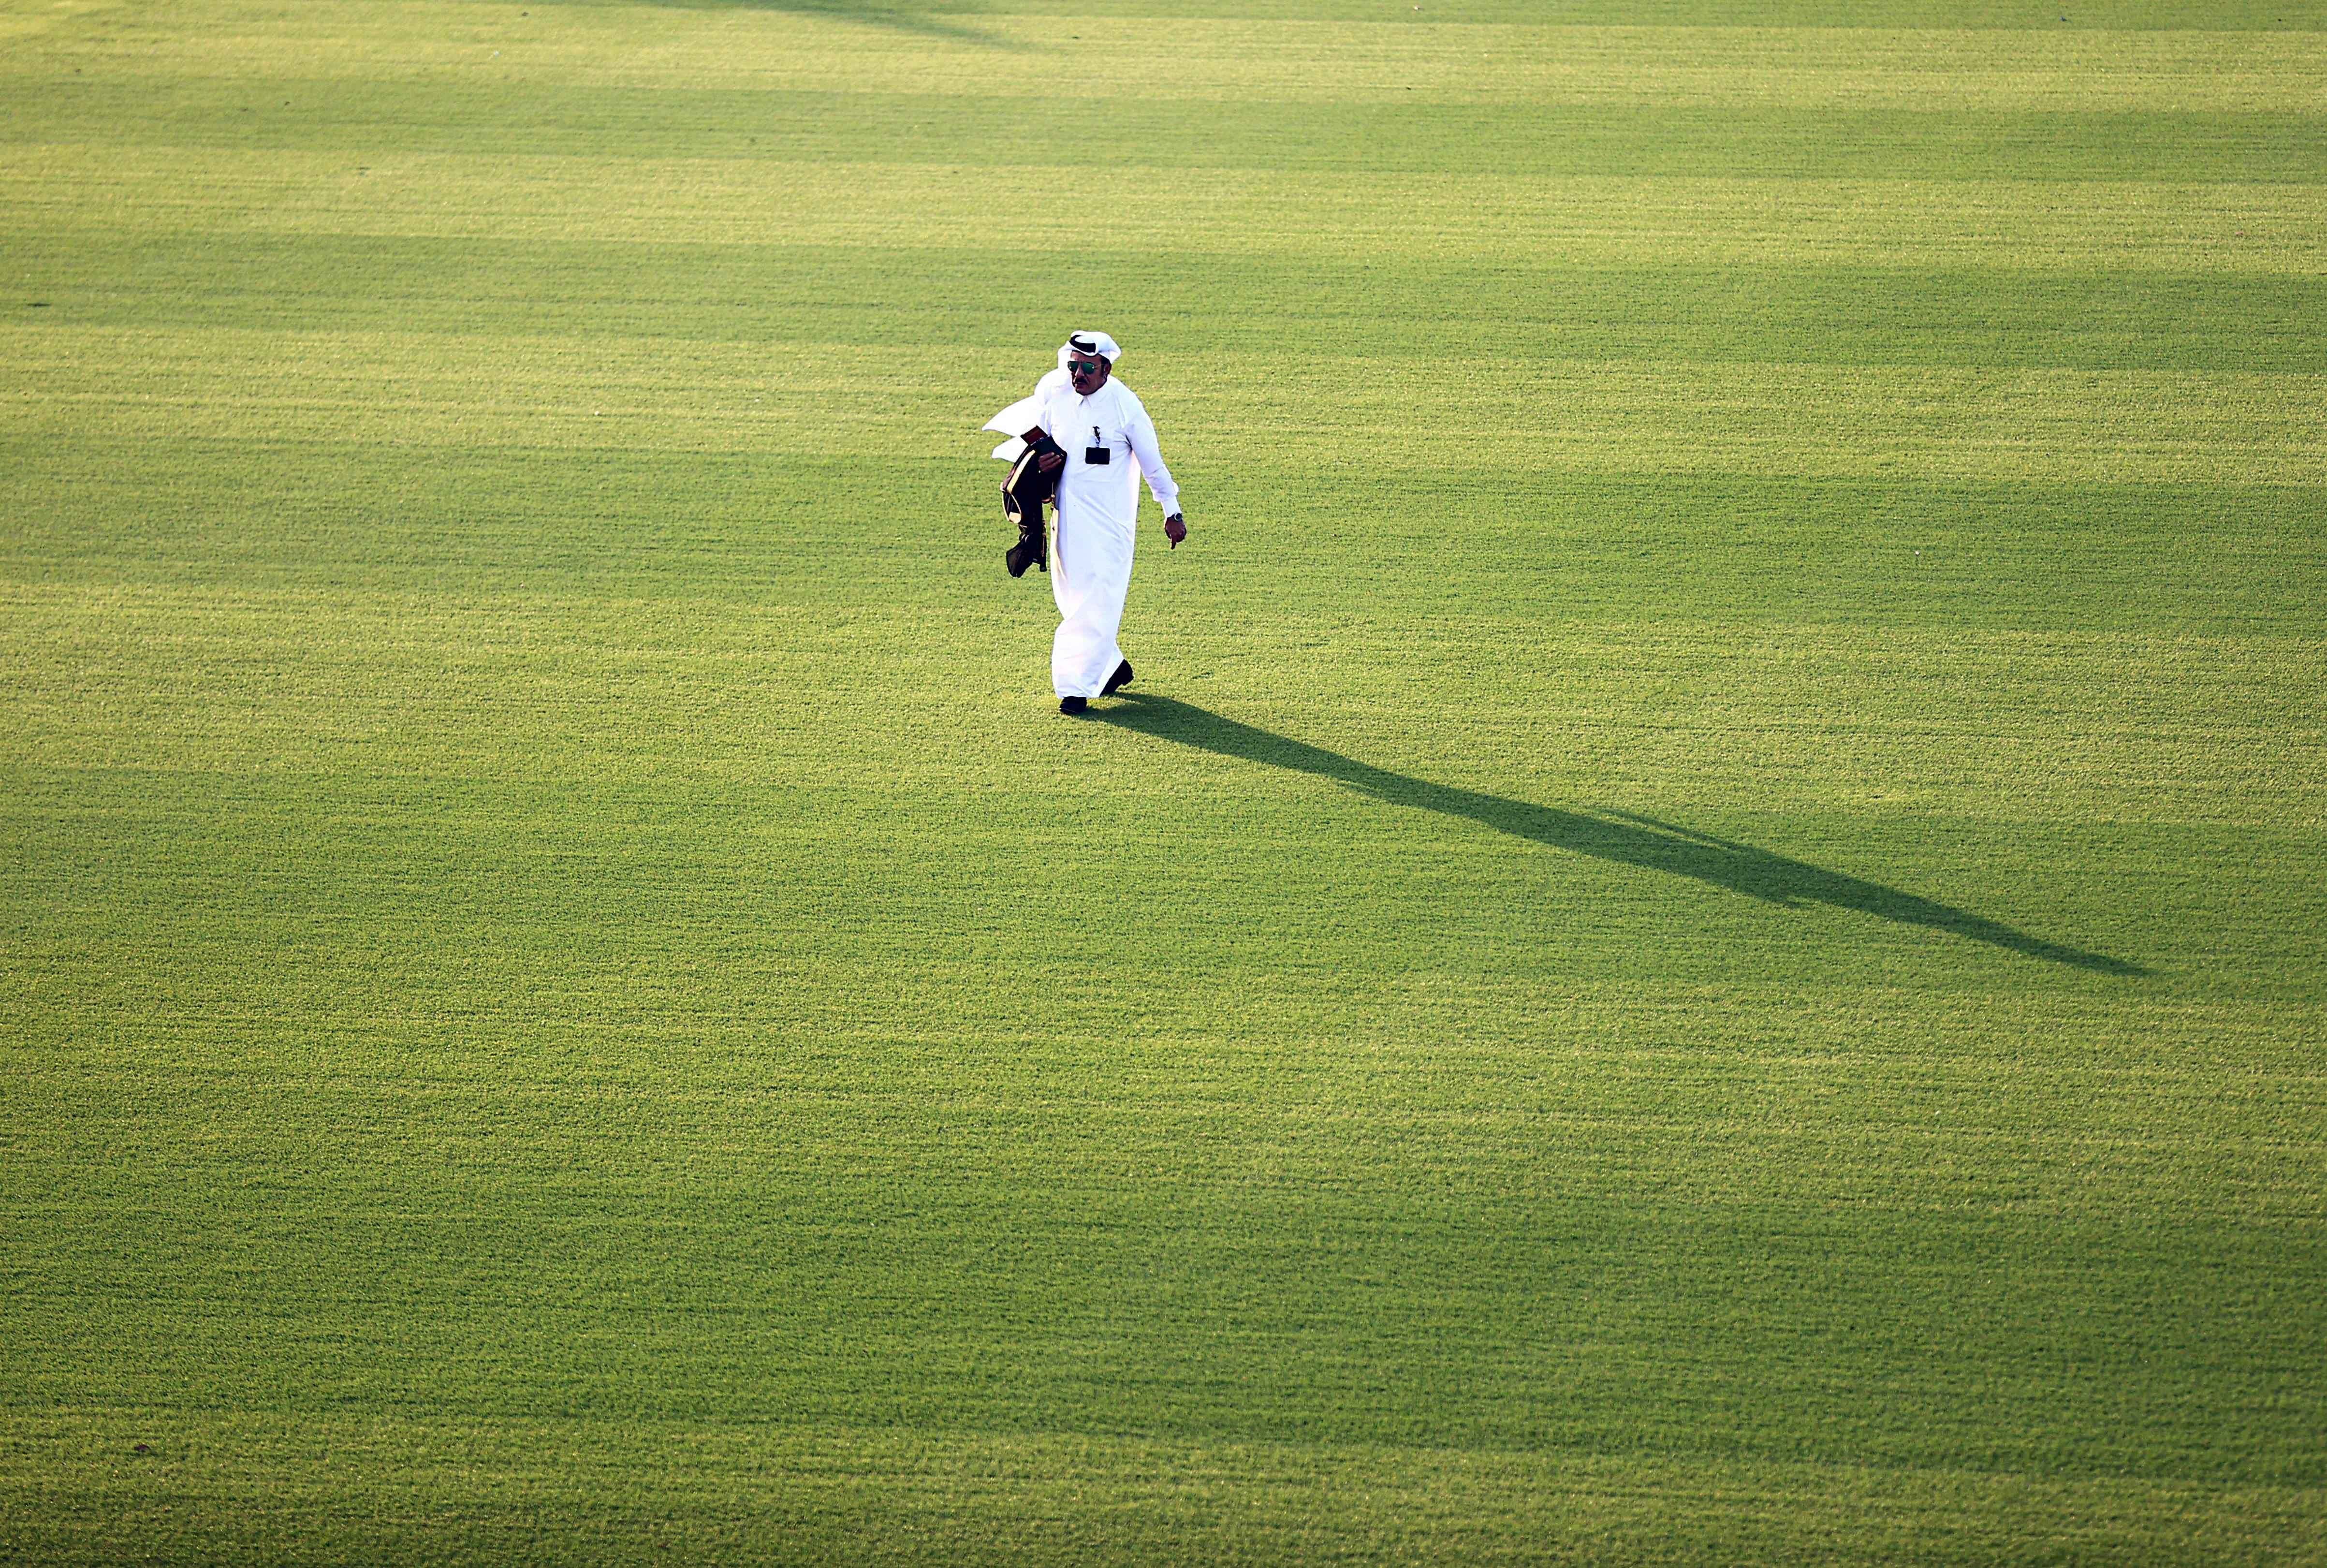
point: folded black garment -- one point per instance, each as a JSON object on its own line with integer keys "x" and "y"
{"x": 1024, "y": 493}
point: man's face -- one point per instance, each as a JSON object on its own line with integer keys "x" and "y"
{"x": 1086, "y": 372}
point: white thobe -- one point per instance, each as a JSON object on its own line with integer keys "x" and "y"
{"x": 1092, "y": 524}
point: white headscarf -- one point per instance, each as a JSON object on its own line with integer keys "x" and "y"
{"x": 1098, "y": 343}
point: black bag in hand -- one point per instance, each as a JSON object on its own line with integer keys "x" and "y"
{"x": 1023, "y": 495}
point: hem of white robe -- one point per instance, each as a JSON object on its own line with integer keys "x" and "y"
{"x": 1091, "y": 686}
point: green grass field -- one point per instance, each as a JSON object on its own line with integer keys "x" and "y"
{"x": 1705, "y": 940}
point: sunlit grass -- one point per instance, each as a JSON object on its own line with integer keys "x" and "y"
{"x": 1699, "y": 940}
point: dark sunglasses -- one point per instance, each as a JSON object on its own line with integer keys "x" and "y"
{"x": 1084, "y": 365}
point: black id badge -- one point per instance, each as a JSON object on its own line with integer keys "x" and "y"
{"x": 1097, "y": 453}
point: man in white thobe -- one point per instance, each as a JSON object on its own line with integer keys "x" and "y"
{"x": 1106, "y": 431}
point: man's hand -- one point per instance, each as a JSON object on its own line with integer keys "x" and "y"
{"x": 1049, "y": 462}
{"x": 1175, "y": 528}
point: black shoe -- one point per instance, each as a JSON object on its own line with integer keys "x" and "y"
{"x": 1073, "y": 705}
{"x": 1121, "y": 677}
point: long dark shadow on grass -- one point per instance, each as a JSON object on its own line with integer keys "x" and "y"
{"x": 900, "y": 18}
{"x": 1620, "y": 836}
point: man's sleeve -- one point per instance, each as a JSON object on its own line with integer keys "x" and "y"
{"x": 1160, "y": 483}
